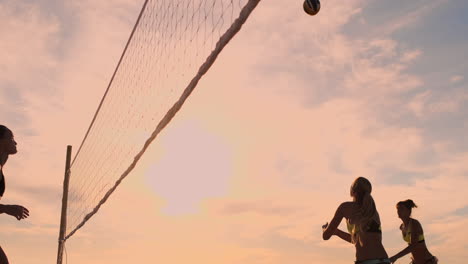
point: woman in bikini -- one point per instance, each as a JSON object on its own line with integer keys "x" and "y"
{"x": 413, "y": 234}
{"x": 363, "y": 223}
{"x": 7, "y": 148}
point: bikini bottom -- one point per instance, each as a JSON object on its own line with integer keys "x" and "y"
{"x": 374, "y": 261}
{"x": 432, "y": 260}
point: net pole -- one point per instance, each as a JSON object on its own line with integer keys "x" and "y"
{"x": 63, "y": 217}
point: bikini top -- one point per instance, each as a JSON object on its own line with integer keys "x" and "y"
{"x": 407, "y": 235}
{"x": 373, "y": 227}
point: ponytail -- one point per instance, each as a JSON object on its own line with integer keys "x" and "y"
{"x": 367, "y": 211}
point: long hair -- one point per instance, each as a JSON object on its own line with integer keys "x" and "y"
{"x": 3, "y": 130}
{"x": 361, "y": 190}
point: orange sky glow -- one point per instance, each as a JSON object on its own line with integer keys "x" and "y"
{"x": 265, "y": 149}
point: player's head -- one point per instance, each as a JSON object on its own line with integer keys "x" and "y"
{"x": 360, "y": 188}
{"x": 7, "y": 141}
{"x": 404, "y": 208}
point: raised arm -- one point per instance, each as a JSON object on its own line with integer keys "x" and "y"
{"x": 330, "y": 229}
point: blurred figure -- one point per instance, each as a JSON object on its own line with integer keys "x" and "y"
{"x": 7, "y": 148}
{"x": 413, "y": 234}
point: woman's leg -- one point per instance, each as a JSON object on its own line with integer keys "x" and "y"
{"x": 3, "y": 257}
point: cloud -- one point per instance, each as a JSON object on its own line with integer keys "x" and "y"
{"x": 31, "y": 38}
{"x": 409, "y": 18}
{"x": 43, "y": 51}
{"x": 260, "y": 207}
{"x": 298, "y": 106}
{"x": 411, "y": 55}
{"x": 359, "y": 105}
{"x": 456, "y": 78}
{"x": 447, "y": 242}
{"x": 27, "y": 52}
{"x": 428, "y": 103}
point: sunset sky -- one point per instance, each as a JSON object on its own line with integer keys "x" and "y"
{"x": 294, "y": 109}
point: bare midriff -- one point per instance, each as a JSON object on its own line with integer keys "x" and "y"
{"x": 370, "y": 247}
{"x": 420, "y": 253}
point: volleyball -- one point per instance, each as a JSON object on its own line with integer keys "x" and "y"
{"x": 311, "y": 7}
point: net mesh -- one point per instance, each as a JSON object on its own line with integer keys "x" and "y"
{"x": 173, "y": 43}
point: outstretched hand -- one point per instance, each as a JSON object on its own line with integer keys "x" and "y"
{"x": 324, "y": 227}
{"x": 17, "y": 211}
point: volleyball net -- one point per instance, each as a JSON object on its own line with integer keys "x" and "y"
{"x": 172, "y": 45}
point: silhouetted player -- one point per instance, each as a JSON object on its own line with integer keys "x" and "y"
{"x": 7, "y": 148}
{"x": 413, "y": 234}
{"x": 363, "y": 223}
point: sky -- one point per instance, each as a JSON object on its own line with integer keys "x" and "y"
{"x": 294, "y": 109}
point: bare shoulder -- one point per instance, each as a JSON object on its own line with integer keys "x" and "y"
{"x": 415, "y": 224}
{"x": 346, "y": 208}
